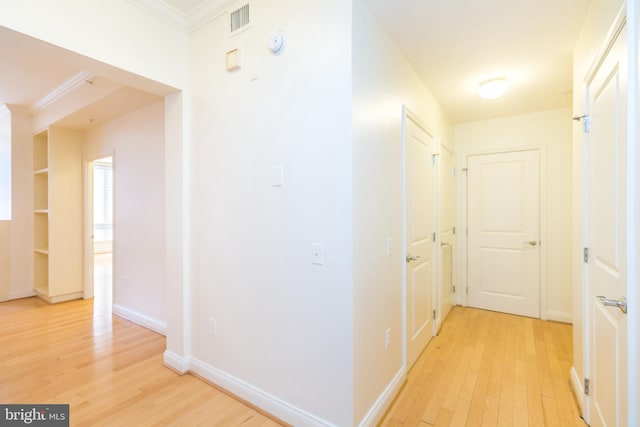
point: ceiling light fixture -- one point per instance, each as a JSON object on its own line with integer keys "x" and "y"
{"x": 494, "y": 88}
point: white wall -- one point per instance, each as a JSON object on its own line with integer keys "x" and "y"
{"x": 551, "y": 132}
{"x": 383, "y": 81}
{"x": 597, "y": 24}
{"x": 17, "y": 236}
{"x": 142, "y": 51}
{"x": 114, "y": 32}
{"x": 5, "y": 163}
{"x": 5, "y": 259}
{"x": 137, "y": 141}
{"x": 284, "y": 326}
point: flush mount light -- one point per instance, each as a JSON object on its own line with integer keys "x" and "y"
{"x": 494, "y": 88}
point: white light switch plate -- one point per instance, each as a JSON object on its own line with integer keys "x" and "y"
{"x": 317, "y": 254}
{"x": 277, "y": 176}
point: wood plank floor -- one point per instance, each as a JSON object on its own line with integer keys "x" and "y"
{"x": 484, "y": 369}
{"x": 491, "y": 369}
{"x": 108, "y": 369}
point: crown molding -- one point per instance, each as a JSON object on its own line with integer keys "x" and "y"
{"x": 187, "y": 23}
{"x": 77, "y": 80}
{"x": 163, "y": 11}
{"x": 207, "y": 12}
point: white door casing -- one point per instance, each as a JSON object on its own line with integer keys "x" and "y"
{"x": 503, "y": 217}
{"x": 606, "y": 236}
{"x": 420, "y": 221}
{"x": 88, "y": 226}
{"x": 447, "y": 233}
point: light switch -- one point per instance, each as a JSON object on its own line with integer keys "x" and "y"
{"x": 317, "y": 254}
{"x": 277, "y": 176}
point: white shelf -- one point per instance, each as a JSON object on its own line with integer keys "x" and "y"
{"x": 57, "y": 239}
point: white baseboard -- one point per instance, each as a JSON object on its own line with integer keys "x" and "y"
{"x": 21, "y": 294}
{"x": 263, "y": 400}
{"x": 175, "y": 362}
{"x": 377, "y": 411}
{"x": 140, "y": 319}
{"x": 559, "y": 316}
{"x": 576, "y": 384}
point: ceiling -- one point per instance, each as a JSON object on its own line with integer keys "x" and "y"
{"x": 456, "y": 44}
{"x": 64, "y": 87}
{"x": 452, "y": 44}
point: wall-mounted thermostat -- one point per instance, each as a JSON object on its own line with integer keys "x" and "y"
{"x": 277, "y": 43}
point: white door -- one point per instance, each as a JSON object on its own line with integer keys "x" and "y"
{"x": 419, "y": 184}
{"x": 606, "y": 221}
{"x": 503, "y": 229}
{"x": 447, "y": 230}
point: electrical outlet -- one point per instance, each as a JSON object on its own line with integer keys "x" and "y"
{"x": 387, "y": 338}
{"x": 213, "y": 327}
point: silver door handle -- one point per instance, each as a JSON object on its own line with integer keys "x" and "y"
{"x": 412, "y": 258}
{"x": 445, "y": 244}
{"x": 621, "y": 304}
{"x": 531, "y": 242}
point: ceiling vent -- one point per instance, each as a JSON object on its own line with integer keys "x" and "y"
{"x": 239, "y": 18}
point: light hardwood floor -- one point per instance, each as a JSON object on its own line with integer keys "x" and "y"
{"x": 484, "y": 369}
{"x": 491, "y": 369}
{"x": 108, "y": 369}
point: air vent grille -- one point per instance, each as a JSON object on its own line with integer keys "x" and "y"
{"x": 239, "y": 18}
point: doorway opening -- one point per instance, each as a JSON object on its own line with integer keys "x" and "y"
{"x": 99, "y": 226}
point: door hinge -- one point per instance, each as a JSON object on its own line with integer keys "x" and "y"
{"x": 454, "y": 230}
{"x": 467, "y": 290}
{"x": 586, "y": 255}
{"x": 434, "y": 315}
{"x": 434, "y": 236}
{"x": 586, "y": 122}
{"x": 586, "y": 386}
{"x": 454, "y": 289}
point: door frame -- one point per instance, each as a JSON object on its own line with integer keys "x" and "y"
{"x": 88, "y": 258}
{"x": 462, "y": 250}
{"x": 408, "y": 114}
{"x": 443, "y": 150}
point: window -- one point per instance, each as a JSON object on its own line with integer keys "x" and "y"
{"x": 103, "y": 200}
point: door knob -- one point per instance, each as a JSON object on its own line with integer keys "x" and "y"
{"x": 531, "y": 242}
{"x": 621, "y": 304}
{"x": 412, "y": 258}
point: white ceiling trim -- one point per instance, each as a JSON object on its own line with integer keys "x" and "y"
{"x": 207, "y": 12}
{"x": 187, "y": 23}
{"x": 164, "y": 11}
{"x": 59, "y": 92}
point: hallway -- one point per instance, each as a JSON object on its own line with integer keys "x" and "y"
{"x": 490, "y": 369}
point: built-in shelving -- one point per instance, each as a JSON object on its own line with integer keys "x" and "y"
{"x": 57, "y": 214}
